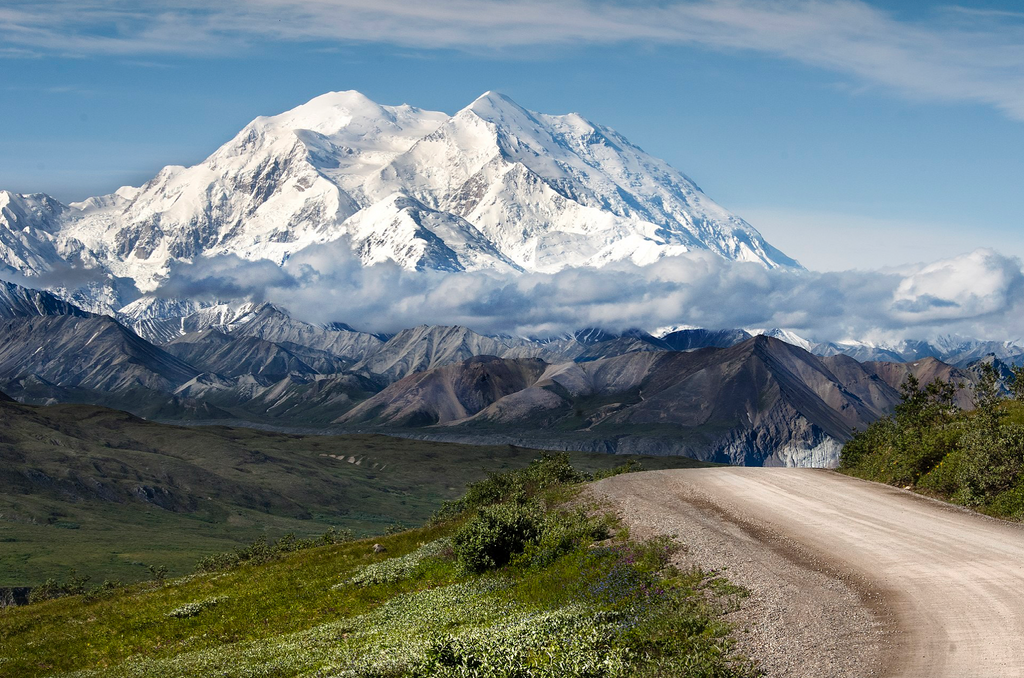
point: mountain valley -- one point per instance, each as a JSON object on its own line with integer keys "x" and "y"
{"x": 122, "y": 493}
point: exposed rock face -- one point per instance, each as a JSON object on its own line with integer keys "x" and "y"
{"x": 21, "y": 302}
{"x": 212, "y": 351}
{"x": 426, "y": 347}
{"x": 94, "y": 353}
{"x": 448, "y": 393}
{"x": 762, "y": 402}
{"x": 316, "y": 401}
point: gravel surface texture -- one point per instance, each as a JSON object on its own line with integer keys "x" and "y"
{"x": 847, "y": 578}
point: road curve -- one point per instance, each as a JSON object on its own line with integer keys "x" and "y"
{"x": 860, "y": 578}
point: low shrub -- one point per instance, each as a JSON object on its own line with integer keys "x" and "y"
{"x": 563, "y": 531}
{"x": 193, "y": 609}
{"x": 1009, "y": 503}
{"x": 51, "y": 588}
{"x": 569, "y": 642}
{"x": 496, "y": 534}
{"x": 104, "y": 590}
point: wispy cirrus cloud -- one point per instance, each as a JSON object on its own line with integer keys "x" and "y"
{"x": 949, "y": 54}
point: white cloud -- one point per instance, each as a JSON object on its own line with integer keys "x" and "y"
{"x": 954, "y": 54}
{"x": 978, "y": 294}
{"x": 977, "y": 284}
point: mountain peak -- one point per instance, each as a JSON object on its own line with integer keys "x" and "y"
{"x": 499, "y": 109}
{"x": 493, "y": 187}
{"x": 17, "y": 301}
{"x": 328, "y": 113}
{"x": 493, "y": 98}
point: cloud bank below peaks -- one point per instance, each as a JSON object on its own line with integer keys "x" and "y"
{"x": 977, "y": 294}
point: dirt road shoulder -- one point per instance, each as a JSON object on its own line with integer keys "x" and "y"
{"x": 807, "y": 616}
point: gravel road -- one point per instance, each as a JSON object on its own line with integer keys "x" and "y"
{"x": 847, "y": 578}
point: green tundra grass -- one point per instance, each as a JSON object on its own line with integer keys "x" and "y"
{"x": 576, "y": 597}
{"x": 112, "y": 495}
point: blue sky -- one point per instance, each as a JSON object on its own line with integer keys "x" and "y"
{"x": 852, "y": 134}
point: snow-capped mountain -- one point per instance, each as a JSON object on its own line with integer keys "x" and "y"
{"x": 28, "y": 224}
{"x": 954, "y": 350}
{"x": 21, "y": 302}
{"x": 557, "y": 191}
{"x": 492, "y": 187}
{"x": 957, "y": 351}
{"x": 787, "y": 336}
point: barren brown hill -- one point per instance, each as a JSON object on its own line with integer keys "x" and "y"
{"x": 761, "y": 402}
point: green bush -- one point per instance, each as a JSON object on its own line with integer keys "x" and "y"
{"x": 550, "y": 470}
{"x": 992, "y": 460}
{"x": 1009, "y": 503}
{"x": 51, "y": 588}
{"x": 496, "y": 534}
{"x": 563, "y": 531}
{"x": 972, "y": 458}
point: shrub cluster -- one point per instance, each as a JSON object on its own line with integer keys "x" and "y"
{"x": 570, "y": 641}
{"x": 73, "y": 586}
{"x": 973, "y": 458}
{"x": 51, "y": 588}
{"x": 507, "y": 520}
{"x": 262, "y": 551}
{"x": 497, "y": 533}
{"x": 549, "y": 470}
{"x": 401, "y": 568}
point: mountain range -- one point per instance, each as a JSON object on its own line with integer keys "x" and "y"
{"x": 759, "y": 402}
{"x": 493, "y": 188}
{"x": 713, "y": 395}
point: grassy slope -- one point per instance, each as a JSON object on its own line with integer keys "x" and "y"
{"x": 291, "y": 617}
{"x": 110, "y": 494}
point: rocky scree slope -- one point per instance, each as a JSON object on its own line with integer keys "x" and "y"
{"x": 762, "y": 402}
